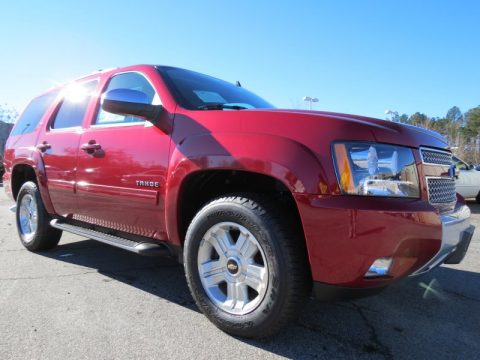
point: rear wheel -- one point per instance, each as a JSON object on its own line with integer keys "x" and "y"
{"x": 245, "y": 266}
{"x": 33, "y": 221}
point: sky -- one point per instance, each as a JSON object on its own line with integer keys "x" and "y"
{"x": 357, "y": 56}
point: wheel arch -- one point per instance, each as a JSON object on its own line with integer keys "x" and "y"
{"x": 271, "y": 163}
{"x": 200, "y": 187}
{"x": 31, "y": 169}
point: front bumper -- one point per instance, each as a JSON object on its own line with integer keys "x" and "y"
{"x": 346, "y": 234}
{"x": 456, "y": 235}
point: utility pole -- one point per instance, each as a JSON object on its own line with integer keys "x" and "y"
{"x": 310, "y": 100}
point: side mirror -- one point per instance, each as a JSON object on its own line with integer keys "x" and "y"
{"x": 130, "y": 102}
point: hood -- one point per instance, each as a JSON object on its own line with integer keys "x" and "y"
{"x": 311, "y": 128}
{"x": 382, "y": 130}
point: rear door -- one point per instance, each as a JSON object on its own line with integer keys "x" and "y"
{"x": 59, "y": 144}
{"x": 122, "y": 166}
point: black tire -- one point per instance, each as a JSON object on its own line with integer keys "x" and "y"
{"x": 478, "y": 198}
{"x": 44, "y": 236}
{"x": 289, "y": 279}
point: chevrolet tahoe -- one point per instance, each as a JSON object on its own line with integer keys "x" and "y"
{"x": 263, "y": 206}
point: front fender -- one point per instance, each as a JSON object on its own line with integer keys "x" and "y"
{"x": 286, "y": 160}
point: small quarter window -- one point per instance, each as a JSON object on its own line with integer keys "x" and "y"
{"x": 33, "y": 113}
{"x": 74, "y": 105}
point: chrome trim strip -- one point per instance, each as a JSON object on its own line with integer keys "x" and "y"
{"x": 77, "y": 129}
{"x": 453, "y": 225}
{"x": 119, "y": 124}
{"x": 435, "y": 150}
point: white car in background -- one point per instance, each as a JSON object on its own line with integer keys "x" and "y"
{"x": 468, "y": 181}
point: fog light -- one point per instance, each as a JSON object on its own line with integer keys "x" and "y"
{"x": 379, "y": 267}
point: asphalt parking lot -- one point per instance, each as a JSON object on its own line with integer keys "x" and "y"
{"x": 86, "y": 300}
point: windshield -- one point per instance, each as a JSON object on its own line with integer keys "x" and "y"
{"x": 195, "y": 91}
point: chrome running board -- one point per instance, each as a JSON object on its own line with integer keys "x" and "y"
{"x": 142, "y": 248}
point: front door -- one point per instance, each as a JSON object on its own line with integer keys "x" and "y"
{"x": 122, "y": 166}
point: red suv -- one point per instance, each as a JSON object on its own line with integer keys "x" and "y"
{"x": 261, "y": 205}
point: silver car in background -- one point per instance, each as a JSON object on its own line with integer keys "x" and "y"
{"x": 467, "y": 181}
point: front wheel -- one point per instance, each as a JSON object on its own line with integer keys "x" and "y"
{"x": 33, "y": 221}
{"x": 245, "y": 266}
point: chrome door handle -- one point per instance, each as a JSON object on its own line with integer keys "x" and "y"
{"x": 91, "y": 146}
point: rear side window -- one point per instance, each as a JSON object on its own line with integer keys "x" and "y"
{"x": 33, "y": 114}
{"x": 74, "y": 105}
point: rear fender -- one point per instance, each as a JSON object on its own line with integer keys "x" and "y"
{"x": 35, "y": 161}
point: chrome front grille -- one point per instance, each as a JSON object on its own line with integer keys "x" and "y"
{"x": 436, "y": 157}
{"x": 441, "y": 190}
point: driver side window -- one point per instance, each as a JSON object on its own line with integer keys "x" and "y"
{"x": 132, "y": 81}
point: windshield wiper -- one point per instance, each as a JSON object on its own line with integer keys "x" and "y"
{"x": 220, "y": 106}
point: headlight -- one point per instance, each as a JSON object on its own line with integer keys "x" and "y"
{"x": 376, "y": 170}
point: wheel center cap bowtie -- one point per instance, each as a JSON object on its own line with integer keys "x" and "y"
{"x": 232, "y": 266}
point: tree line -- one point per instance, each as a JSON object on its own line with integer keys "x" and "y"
{"x": 8, "y": 114}
{"x": 462, "y": 130}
